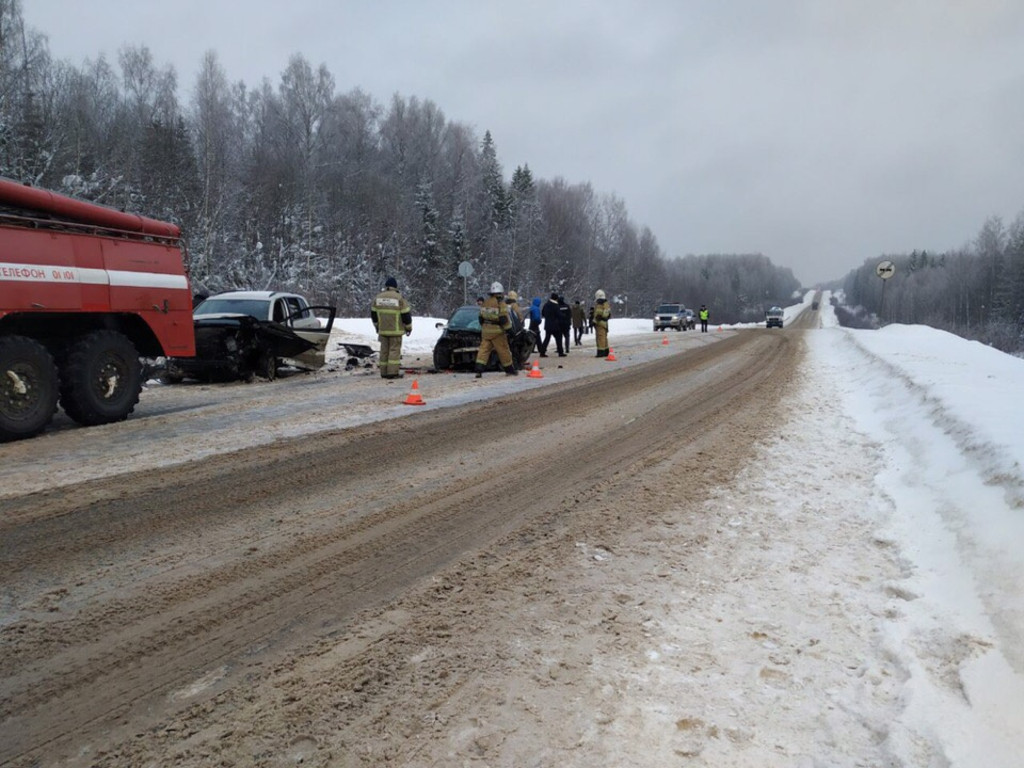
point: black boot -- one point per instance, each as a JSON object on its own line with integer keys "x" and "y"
{"x": 479, "y": 370}
{"x": 511, "y": 371}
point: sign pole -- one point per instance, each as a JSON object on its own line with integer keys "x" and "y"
{"x": 884, "y": 270}
{"x": 465, "y": 270}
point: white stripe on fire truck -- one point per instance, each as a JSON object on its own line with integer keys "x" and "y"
{"x": 55, "y": 274}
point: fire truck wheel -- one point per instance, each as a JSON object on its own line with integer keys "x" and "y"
{"x": 28, "y": 387}
{"x": 101, "y": 379}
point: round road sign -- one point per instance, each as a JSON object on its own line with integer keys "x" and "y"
{"x": 885, "y": 270}
{"x": 465, "y": 269}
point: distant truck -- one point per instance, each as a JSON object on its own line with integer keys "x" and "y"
{"x": 85, "y": 290}
{"x": 773, "y": 317}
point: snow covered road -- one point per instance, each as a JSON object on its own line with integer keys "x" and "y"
{"x": 835, "y": 580}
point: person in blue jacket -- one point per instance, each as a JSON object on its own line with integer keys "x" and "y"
{"x": 535, "y": 319}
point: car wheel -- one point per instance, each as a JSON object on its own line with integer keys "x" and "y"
{"x": 266, "y": 366}
{"x": 442, "y": 359}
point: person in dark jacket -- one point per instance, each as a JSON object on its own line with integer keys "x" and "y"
{"x": 552, "y": 325}
{"x": 565, "y": 321}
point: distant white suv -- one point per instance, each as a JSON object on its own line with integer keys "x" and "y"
{"x": 670, "y": 316}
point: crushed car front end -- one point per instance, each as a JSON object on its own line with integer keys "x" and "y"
{"x": 232, "y": 347}
{"x": 459, "y": 343}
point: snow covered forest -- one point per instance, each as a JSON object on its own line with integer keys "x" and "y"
{"x": 296, "y": 186}
{"x": 976, "y": 291}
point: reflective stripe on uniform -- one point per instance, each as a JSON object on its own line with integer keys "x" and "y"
{"x": 388, "y": 309}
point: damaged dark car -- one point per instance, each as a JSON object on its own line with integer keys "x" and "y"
{"x": 460, "y": 341}
{"x": 245, "y": 334}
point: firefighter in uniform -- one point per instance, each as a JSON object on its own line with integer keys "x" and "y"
{"x": 494, "y": 320}
{"x": 391, "y": 317}
{"x": 512, "y": 300}
{"x": 602, "y": 311}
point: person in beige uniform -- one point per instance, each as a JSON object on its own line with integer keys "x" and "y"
{"x": 494, "y": 320}
{"x": 602, "y": 313}
{"x": 391, "y": 317}
{"x": 512, "y": 301}
{"x": 579, "y": 322}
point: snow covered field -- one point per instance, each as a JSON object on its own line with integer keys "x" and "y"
{"x": 945, "y": 431}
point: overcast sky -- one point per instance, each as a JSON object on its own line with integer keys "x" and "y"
{"x": 817, "y": 132}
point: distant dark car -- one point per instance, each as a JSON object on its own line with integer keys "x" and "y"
{"x": 460, "y": 341}
{"x": 243, "y": 334}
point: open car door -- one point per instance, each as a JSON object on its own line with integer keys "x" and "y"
{"x": 313, "y": 324}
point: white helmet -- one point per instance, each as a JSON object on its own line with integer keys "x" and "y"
{"x": 496, "y": 288}
{"x": 599, "y": 295}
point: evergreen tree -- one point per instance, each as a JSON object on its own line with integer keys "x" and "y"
{"x": 457, "y": 250}
{"x": 430, "y": 273}
{"x": 523, "y": 214}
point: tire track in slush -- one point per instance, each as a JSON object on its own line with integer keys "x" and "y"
{"x": 120, "y": 657}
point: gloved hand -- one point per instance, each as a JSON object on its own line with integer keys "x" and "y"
{"x": 409, "y": 332}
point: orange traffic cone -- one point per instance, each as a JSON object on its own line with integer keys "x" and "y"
{"x": 611, "y": 355}
{"x": 719, "y": 327}
{"x": 535, "y": 371}
{"x": 664, "y": 341}
{"x": 414, "y": 397}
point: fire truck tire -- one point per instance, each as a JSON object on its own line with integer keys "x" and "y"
{"x": 101, "y": 378}
{"x": 28, "y": 387}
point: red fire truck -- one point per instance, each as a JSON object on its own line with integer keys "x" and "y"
{"x": 85, "y": 290}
